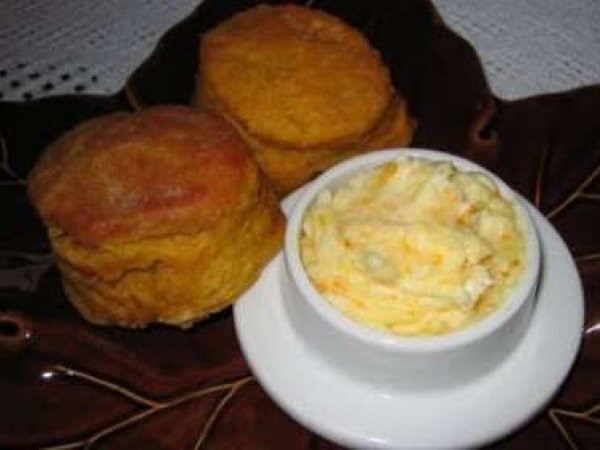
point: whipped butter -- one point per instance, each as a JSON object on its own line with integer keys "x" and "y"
{"x": 413, "y": 247}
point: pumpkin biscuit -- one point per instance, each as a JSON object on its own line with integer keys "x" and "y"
{"x": 304, "y": 89}
{"x": 160, "y": 215}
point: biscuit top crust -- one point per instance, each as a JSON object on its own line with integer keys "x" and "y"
{"x": 163, "y": 170}
{"x": 294, "y": 76}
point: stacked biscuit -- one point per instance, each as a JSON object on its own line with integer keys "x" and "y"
{"x": 304, "y": 89}
{"x": 169, "y": 213}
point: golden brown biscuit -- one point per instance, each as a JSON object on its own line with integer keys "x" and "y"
{"x": 304, "y": 89}
{"x": 155, "y": 216}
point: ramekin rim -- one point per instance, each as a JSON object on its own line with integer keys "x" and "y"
{"x": 524, "y": 287}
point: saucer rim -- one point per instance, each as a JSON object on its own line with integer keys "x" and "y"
{"x": 251, "y": 302}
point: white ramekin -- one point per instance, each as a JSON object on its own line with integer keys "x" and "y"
{"x": 386, "y": 360}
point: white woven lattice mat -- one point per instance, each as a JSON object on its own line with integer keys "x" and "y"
{"x": 52, "y": 47}
{"x": 530, "y": 47}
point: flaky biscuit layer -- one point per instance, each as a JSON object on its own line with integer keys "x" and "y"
{"x": 289, "y": 168}
{"x": 176, "y": 279}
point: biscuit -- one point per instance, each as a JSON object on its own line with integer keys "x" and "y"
{"x": 160, "y": 215}
{"x": 304, "y": 89}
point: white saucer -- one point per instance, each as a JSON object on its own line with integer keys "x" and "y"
{"x": 355, "y": 414}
